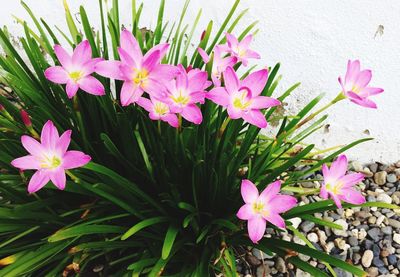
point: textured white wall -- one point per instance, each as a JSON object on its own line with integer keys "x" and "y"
{"x": 313, "y": 41}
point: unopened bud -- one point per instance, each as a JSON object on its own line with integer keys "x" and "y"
{"x": 2, "y": 108}
{"x": 190, "y": 67}
{"x": 203, "y": 34}
{"x": 25, "y": 118}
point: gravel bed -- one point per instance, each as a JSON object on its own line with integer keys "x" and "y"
{"x": 370, "y": 238}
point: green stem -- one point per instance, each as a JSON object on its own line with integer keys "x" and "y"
{"x": 73, "y": 177}
{"x": 338, "y": 98}
{"x": 223, "y": 127}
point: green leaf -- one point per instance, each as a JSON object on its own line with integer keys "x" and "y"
{"x": 169, "y": 241}
{"x": 78, "y": 231}
{"x": 143, "y": 224}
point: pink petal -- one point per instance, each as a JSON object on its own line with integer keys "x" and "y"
{"x": 91, "y": 85}
{"x": 82, "y": 53}
{"x": 58, "y": 178}
{"x": 192, "y": 113}
{"x": 256, "y": 81}
{"x": 126, "y": 58}
{"x": 363, "y": 78}
{"x": 339, "y": 167}
{"x": 245, "y": 212}
{"x": 181, "y": 79}
{"x": 110, "y": 69}
{"x": 323, "y": 192}
{"x": 365, "y": 103}
{"x": 263, "y": 102}
{"x": 164, "y": 71}
{"x": 49, "y": 136}
{"x": 276, "y": 220}
{"x": 71, "y": 89}
{"x": 162, "y": 48}
{"x": 231, "y": 80}
{"x": 90, "y": 66}
{"x": 369, "y": 91}
{"x": 172, "y": 120}
{"x": 145, "y": 104}
{"x": 350, "y": 180}
{"x": 62, "y": 55}
{"x": 233, "y": 112}
{"x": 130, "y": 93}
{"x": 353, "y": 95}
{"x": 74, "y": 159}
{"x": 56, "y": 74}
{"x": 270, "y": 191}
{"x": 231, "y": 40}
{"x": 325, "y": 171}
{"x": 281, "y": 203}
{"x": 336, "y": 199}
{"x": 353, "y": 68}
{"x": 352, "y": 196}
{"x": 245, "y": 43}
{"x": 250, "y": 54}
{"x": 39, "y": 179}
{"x": 219, "y": 96}
{"x": 249, "y": 192}
{"x": 131, "y": 46}
{"x": 204, "y": 55}
{"x": 255, "y": 117}
{"x": 26, "y": 162}
{"x": 256, "y": 228}
{"x": 63, "y": 142}
{"x": 32, "y": 146}
{"x": 197, "y": 80}
{"x": 150, "y": 61}
{"x": 153, "y": 87}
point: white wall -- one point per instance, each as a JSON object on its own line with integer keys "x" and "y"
{"x": 313, "y": 41}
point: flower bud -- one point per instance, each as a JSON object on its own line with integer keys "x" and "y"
{"x": 203, "y": 34}
{"x": 25, "y": 118}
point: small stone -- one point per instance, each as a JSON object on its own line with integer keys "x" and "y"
{"x": 301, "y": 273}
{"x": 380, "y": 220}
{"x": 392, "y": 259}
{"x": 263, "y": 270}
{"x": 377, "y": 262}
{"x": 342, "y": 273}
{"x": 394, "y": 223}
{"x": 295, "y": 222}
{"x": 260, "y": 254}
{"x": 313, "y": 237}
{"x": 375, "y": 234}
{"x": 366, "y": 259}
{"x": 356, "y": 258}
{"x": 362, "y": 234}
{"x": 380, "y": 177}
{"x": 280, "y": 265}
{"x": 387, "y": 230}
{"x": 383, "y": 270}
{"x": 254, "y": 261}
{"x": 373, "y": 272}
{"x": 306, "y": 226}
{"x": 396, "y": 238}
{"x": 348, "y": 213}
{"x": 391, "y": 178}
{"x": 345, "y": 226}
{"x": 373, "y": 167}
{"x": 372, "y": 220}
{"x": 353, "y": 241}
{"x": 357, "y": 166}
{"x": 383, "y": 197}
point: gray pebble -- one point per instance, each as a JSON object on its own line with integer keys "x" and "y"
{"x": 306, "y": 226}
{"x": 377, "y": 262}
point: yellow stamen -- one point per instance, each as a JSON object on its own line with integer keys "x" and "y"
{"x": 161, "y": 108}
{"x": 50, "y": 162}
{"x": 76, "y": 75}
{"x": 335, "y": 188}
{"x": 180, "y": 98}
{"x": 240, "y": 102}
{"x": 140, "y": 76}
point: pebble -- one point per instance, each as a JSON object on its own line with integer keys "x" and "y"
{"x": 387, "y": 230}
{"x": 345, "y": 226}
{"x": 392, "y": 259}
{"x": 380, "y": 177}
{"x": 373, "y": 272}
{"x": 377, "y": 262}
{"x": 353, "y": 241}
{"x": 383, "y": 197}
{"x": 313, "y": 237}
{"x": 306, "y": 226}
{"x": 367, "y": 257}
{"x": 280, "y": 265}
{"x": 295, "y": 222}
{"x": 391, "y": 178}
{"x": 396, "y": 238}
{"x": 375, "y": 234}
{"x": 394, "y": 223}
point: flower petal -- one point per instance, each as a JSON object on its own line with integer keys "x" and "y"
{"x": 270, "y": 191}
{"x": 203, "y": 54}
{"x": 323, "y": 192}
{"x": 56, "y": 74}
{"x": 231, "y": 80}
{"x": 192, "y": 113}
{"x": 281, "y": 203}
{"x": 352, "y": 179}
{"x": 38, "y": 180}
{"x": 126, "y": 58}
{"x": 131, "y": 46}
{"x": 255, "y": 117}
{"x": 363, "y": 78}
{"x": 256, "y": 81}
{"x": 58, "y": 178}
{"x": 353, "y": 68}
{"x": 74, "y": 159}
{"x": 91, "y": 85}
{"x": 249, "y": 191}
{"x": 110, "y": 69}
{"x": 71, "y": 89}
{"x": 62, "y": 55}
{"x": 63, "y": 142}
{"x": 145, "y": 104}
{"x": 256, "y": 228}
{"x": 130, "y": 93}
{"x": 352, "y": 196}
{"x": 162, "y": 48}
{"x": 338, "y": 167}
{"x": 26, "y": 162}
{"x": 32, "y": 145}
{"x": 365, "y": 103}
{"x": 263, "y": 102}
{"x": 336, "y": 199}
{"x": 164, "y": 71}
{"x": 245, "y": 212}
{"x": 172, "y": 120}
{"x": 151, "y": 61}
{"x": 219, "y": 96}
{"x": 49, "y": 136}
{"x": 82, "y": 53}
{"x": 276, "y": 220}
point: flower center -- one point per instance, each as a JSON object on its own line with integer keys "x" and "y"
{"x": 141, "y": 76}
{"x": 335, "y": 188}
{"x": 240, "y": 52}
{"x": 161, "y": 108}
{"x": 242, "y": 101}
{"x": 76, "y": 75}
{"x": 355, "y": 89}
{"x": 259, "y": 208}
{"x": 180, "y": 98}
{"x": 50, "y": 162}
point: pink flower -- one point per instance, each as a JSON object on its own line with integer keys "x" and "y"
{"x": 219, "y": 63}
{"x": 49, "y": 158}
{"x": 355, "y": 85}
{"x": 139, "y": 73}
{"x": 184, "y": 92}
{"x": 241, "y": 49}
{"x": 260, "y": 208}
{"x": 76, "y": 71}
{"x": 242, "y": 97}
{"x": 338, "y": 185}
{"x": 158, "y": 111}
